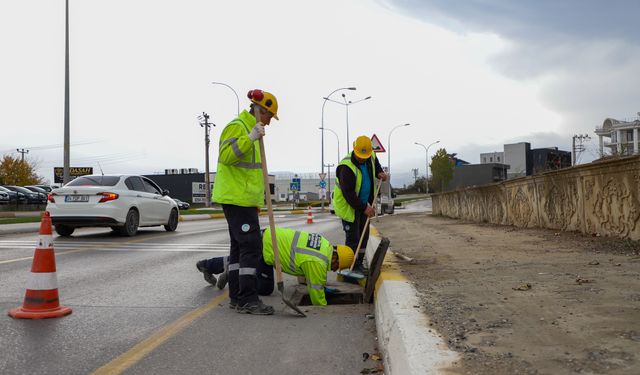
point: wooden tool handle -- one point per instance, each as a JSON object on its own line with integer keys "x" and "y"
{"x": 272, "y": 223}
{"x": 357, "y": 251}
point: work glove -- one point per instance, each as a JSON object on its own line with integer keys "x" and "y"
{"x": 257, "y": 132}
{"x": 369, "y": 211}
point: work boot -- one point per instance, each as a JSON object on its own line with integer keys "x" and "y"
{"x": 208, "y": 276}
{"x": 223, "y": 278}
{"x": 255, "y": 308}
{"x": 359, "y": 266}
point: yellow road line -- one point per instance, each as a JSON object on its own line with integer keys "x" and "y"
{"x": 135, "y": 354}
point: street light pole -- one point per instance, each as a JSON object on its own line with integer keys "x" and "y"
{"x": 347, "y": 104}
{"x": 426, "y": 150}
{"x": 337, "y": 140}
{"x": 234, "y": 91}
{"x": 322, "y": 133}
{"x": 389, "y": 152}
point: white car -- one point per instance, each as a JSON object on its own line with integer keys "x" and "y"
{"x": 122, "y": 202}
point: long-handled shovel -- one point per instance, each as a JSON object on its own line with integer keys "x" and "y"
{"x": 272, "y": 225}
{"x": 350, "y": 272}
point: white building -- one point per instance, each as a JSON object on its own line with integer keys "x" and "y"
{"x": 491, "y": 157}
{"x": 622, "y": 137}
{"x": 516, "y": 155}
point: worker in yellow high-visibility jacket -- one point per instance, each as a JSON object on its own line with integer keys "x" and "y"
{"x": 301, "y": 254}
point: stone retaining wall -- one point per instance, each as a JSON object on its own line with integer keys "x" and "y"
{"x": 597, "y": 198}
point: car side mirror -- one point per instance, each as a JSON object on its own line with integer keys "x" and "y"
{"x": 165, "y": 192}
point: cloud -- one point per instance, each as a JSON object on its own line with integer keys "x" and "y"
{"x": 586, "y": 53}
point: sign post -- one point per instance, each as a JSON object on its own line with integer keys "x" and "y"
{"x": 58, "y": 173}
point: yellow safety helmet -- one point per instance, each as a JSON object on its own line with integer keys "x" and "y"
{"x": 363, "y": 147}
{"x": 345, "y": 256}
{"x": 265, "y": 100}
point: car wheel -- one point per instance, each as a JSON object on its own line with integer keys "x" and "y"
{"x": 131, "y": 224}
{"x": 64, "y": 230}
{"x": 173, "y": 221}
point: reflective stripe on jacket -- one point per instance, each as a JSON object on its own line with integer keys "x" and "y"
{"x": 340, "y": 205}
{"x": 302, "y": 254}
{"x": 239, "y": 175}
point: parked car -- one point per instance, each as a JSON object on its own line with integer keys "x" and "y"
{"x": 4, "y": 197}
{"x": 182, "y": 205}
{"x": 47, "y": 188}
{"x": 42, "y": 194}
{"x": 122, "y": 202}
{"x": 13, "y": 196}
{"x": 25, "y": 195}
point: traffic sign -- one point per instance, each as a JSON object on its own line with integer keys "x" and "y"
{"x": 376, "y": 145}
{"x": 323, "y": 184}
{"x": 322, "y": 175}
{"x": 295, "y": 184}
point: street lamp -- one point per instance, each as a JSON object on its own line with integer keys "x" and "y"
{"x": 389, "y": 151}
{"x": 322, "y": 133}
{"x": 426, "y": 150}
{"x": 234, "y": 91}
{"x": 347, "y": 104}
{"x": 337, "y": 139}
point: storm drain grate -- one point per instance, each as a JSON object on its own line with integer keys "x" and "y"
{"x": 335, "y": 299}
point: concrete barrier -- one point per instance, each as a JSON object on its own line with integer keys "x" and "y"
{"x": 407, "y": 344}
{"x": 600, "y": 198}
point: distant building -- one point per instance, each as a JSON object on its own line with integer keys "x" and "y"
{"x": 492, "y": 157}
{"x": 621, "y": 137}
{"x": 190, "y": 187}
{"x": 518, "y": 157}
{"x": 477, "y": 174}
{"x": 549, "y": 159}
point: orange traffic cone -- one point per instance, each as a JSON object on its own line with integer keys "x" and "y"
{"x": 309, "y": 215}
{"x": 41, "y": 299}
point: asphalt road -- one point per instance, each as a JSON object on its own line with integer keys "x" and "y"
{"x": 140, "y": 306}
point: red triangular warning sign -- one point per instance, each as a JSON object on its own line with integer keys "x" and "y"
{"x": 377, "y": 146}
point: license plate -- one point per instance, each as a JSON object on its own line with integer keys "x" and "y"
{"x": 76, "y": 198}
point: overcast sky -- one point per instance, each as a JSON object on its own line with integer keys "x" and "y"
{"x": 472, "y": 74}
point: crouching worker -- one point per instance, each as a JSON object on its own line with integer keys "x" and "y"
{"x": 301, "y": 254}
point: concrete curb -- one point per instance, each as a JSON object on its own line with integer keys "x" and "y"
{"x": 407, "y": 344}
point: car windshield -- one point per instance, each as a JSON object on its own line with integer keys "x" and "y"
{"x": 95, "y": 181}
{"x": 22, "y": 190}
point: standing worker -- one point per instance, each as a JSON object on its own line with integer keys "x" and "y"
{"x": 239, "y": 188}
{"x": 303, "y": 254}
{"x": 354, "y": 193}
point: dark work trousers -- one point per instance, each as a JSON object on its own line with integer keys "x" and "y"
{"x": 354, "y": 230}
{"x": 264, "y": 273}
{"x": 245, "y": 254}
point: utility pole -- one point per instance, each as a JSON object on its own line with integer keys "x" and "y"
{"x": 415, "y": 176}
{"x": 329, "y": 166}
{"x": 22, "y": 151}
{"x": 578, "y": 146}
{"x": 204, "y": 122}
{"x": 66, "y": 175}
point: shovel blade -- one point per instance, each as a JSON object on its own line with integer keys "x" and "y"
{"x": 287, "y": 302}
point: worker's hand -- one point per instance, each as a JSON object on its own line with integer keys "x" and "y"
{"x": 257, "y": 132}
{"x": 369, "y": 211}
{"x": 382, "y": 176}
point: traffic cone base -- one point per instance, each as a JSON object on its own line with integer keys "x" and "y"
{"x": 309, "y": 216}
{"x": 41, "y": 298}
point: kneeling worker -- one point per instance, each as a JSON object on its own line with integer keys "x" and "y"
{"x": 301, "y": 254}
